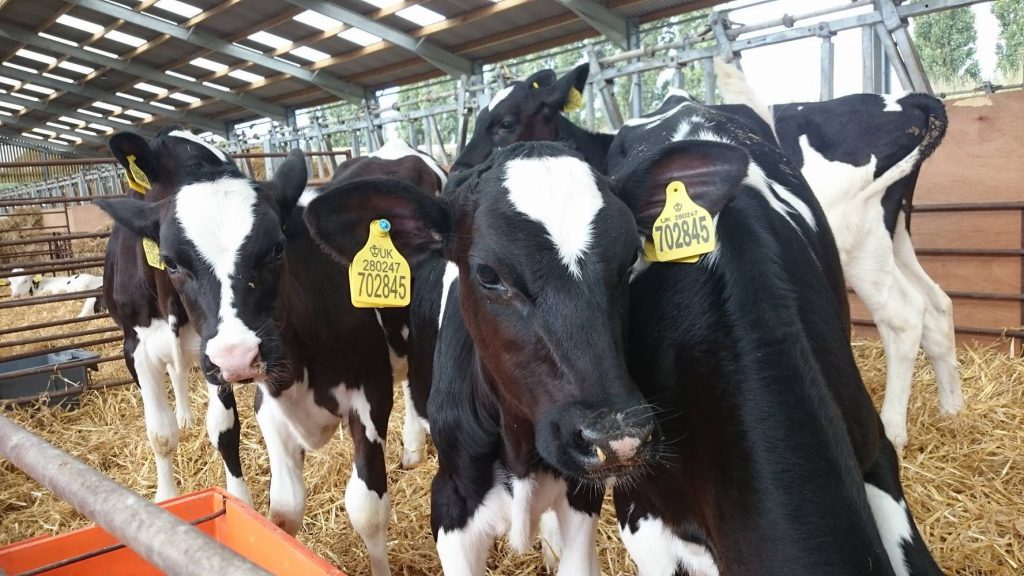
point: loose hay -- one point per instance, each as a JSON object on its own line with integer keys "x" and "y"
{"x": 963, "y": 476}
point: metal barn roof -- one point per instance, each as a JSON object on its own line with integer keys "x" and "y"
{"x": 73, "y": 71}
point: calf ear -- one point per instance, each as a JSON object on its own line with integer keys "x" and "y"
{"x": 290, "y": 179}
{"x": 566, "y": 94}
{"x": 125, "y": 144}
{"x": 711, "y": 171}
{"x": 339, "y": 218}
{"x": 541, "y": 79}
{"x": 139, "y": 216}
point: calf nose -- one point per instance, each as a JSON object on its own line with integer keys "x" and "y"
{"x": 237, "y": 361}
{"x": 615, "y": 442}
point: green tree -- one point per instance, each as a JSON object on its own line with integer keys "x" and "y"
{"x": 946, "y": 42}
{"x": 1010, "y": 48}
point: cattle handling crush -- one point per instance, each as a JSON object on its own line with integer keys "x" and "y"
{"x": 652, "y": 287}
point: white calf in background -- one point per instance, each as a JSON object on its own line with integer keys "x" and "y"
{"x": 27, "y": 286}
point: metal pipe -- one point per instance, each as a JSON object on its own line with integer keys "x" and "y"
{"x": 58, "y": 262}
{"x": 94, "y": 161}
{"x": 48, "y": 369}
{"x": 86, "y": 263}
{"x": 66, "y": 393}
{"x": 53, "y": 238}
{"x": 51, "y": 324}
{"x": 72, "y": 346}
{"x": 161, "y": 538}
{"x": 55, "y": 200}
{"x": 64, "y": 336}
{"x": 21, "y": 302}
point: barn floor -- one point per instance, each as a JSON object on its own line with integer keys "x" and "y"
{"x": 964, "y": 476}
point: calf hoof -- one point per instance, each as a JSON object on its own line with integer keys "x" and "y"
{"x": 412, "y": 458}
{"x": 185, "y": 419}
{"x": 951, "y": 406}
{"x": 285, "y": 522}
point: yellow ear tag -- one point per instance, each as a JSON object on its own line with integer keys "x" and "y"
{"x": 535, "y": 85}
{"x": 650, "y": 255}
{"x": 37, "y": 278}
{"x": 379, "y": 276}
{"x": 152, "y": 251}
{"x": 137, "y": 179}
{"x": 683, "y": 230}
{"x": 574, "y": 101}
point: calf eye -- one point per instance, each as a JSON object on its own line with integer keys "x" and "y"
{"x": 488, "y": 278}
{"x": 170, "y": 264}
{"x": 195, "y": 166}
{"x": 507, "y": 125}
{"x": 278, "y": 250}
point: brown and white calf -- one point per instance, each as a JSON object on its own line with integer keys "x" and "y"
{"x": 270, "y": 306}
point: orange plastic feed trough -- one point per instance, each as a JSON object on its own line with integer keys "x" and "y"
{"x": 222, "y": 517}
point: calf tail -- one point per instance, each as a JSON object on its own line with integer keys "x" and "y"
{"x": 935, "y": 111}
{"x": 733, "y": 86}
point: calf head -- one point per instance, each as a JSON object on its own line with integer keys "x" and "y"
{"x": 521, "y": 112}
{"x": 166, "y": 160}
{"x": 222, "y": 241}
{"x": 544, "y": 251}
{"x": 21, "y": 286}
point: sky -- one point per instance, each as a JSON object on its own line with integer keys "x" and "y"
{"x": 789, "y": 72}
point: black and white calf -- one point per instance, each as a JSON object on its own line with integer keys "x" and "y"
{"x": 531, "y": 407}
{"x": 157, "y": 332}
{"x": 773, "y": 462}
{"x": 531, "y": 110}
{"x": 28, "y": 286}
{"x": 270, "y": 306}
{"x": 862, "y": 154}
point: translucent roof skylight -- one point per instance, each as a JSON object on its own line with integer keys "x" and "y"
{"x": 118, "y": 36}
{"x": 20, "y": 67}
{"x": 76, "y": 67}
{"x": 150, "y": 88}
{"x": 3, "y": 113}
{"x": 75, "y": 139}
{"x": 59, "y": 78}
{"x": 89, "y": 113}
{"x": 101, "y": 127}
{"x": 245, "y": 76}
{"x": 179, "y": 8}
{"x": 39, "y": 89}
{"x": 128, "y": 96}
{"x": 32, "y": 55}
{"x": 57, "y": 39}
{"x": 420, "y": 15}
{"x": 79, "y": 24}
{"x": 105, "y": 106}
{"x": 24, "y": 96}
{"x": 180, "y": 75}
{"x": 361, "y": 37}
{"x": 49, "y": 133}
{"x": 100, "y": 52}
{"x": 9, "y": 81}
{"x": 311, "y": 54}
{"x": 119, "y": 120}
{"x": 136, "y": 113}
{"x": 12, "y": 106}
{"x": 56, "y": 141}
{"x": 69, "y": 120}
{"x": 31, "y": 135}
{"x": 182, "y": 97}
{"x": 162, "y": 105}
{"x": 317, "y": 20}
{"x": 217, "y": 86}
{"x": 268, "y": 39}
{"x": 60, "y": 126}
{"x": 89, "y": 132}
{"x": 208, "y": 64}
{"x": 382, "y": 3}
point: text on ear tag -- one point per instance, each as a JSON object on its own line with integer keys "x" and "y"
{"x": 683, "y": 229}
{"x": 574, "y": 101}
{"x": 152, "y": 251}
{"x": 379, "y": 276}
{"x": 137, "y": 179}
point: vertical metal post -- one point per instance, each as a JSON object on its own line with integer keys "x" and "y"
{"x": 611, "y": 106}
{"x": 872, "y": 61}
{"x": 896, "y": 30}
{"x": 828, "y": 63}
{"x": 636, "y": 96}
{"x": 893, "y": 55}
{"x": 410, "y": 129}
{"x": 355, "y": 143}
{"x": 440, "y": 140}
{"x": 588, "y": 95}
{"x": 463, "y": 111}
{"x": 709, "y": 80}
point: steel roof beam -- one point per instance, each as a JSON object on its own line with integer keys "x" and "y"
{"x": 608, "y": 23}
{"x": 254, "y": 104}
{"x": 58, "y": 110}
{"x": 335, "y": 86}
{"x": 435, "y": 55}
{"x": 29, "y": 124}
{"x": 98, "y": 94}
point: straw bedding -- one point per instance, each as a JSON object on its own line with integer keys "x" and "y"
{"x": 964, "y": 476}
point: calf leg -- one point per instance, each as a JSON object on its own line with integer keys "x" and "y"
{"x": 414, "y": 434}
{"x": 224, "y": 430}
{"x": 577, "y": 514}
{"x": 465, "y": 528}
{"x": 366, "y": 495}
{"x": 287, "y": 491}
{"x": 88, "y": 307}
{"x": 898, "y": 311}
{"x": 902, "y": 541}
{"x": 655, "y": 548}
{"x": 149, "y": 359}
{"x": 938, "y": 338}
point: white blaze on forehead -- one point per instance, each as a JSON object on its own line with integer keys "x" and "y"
{"x": 217, "y": 217}
{"x": 501, "y": 95}
{"x": 561, "y": 194}
{"x": 397, "y": 148}
{"x": 190, "y": 136}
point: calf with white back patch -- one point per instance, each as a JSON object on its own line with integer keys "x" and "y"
{"x": 270, "y": 306}
{"x": 531, "y": 407}
{"x": 774, "y": 460}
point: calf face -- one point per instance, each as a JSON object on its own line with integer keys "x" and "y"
{"x": 520, "y": 112}
{"x": 228, "y": 276}
{"x": 166, "y": 161}
{"x": 543, "y": 249}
